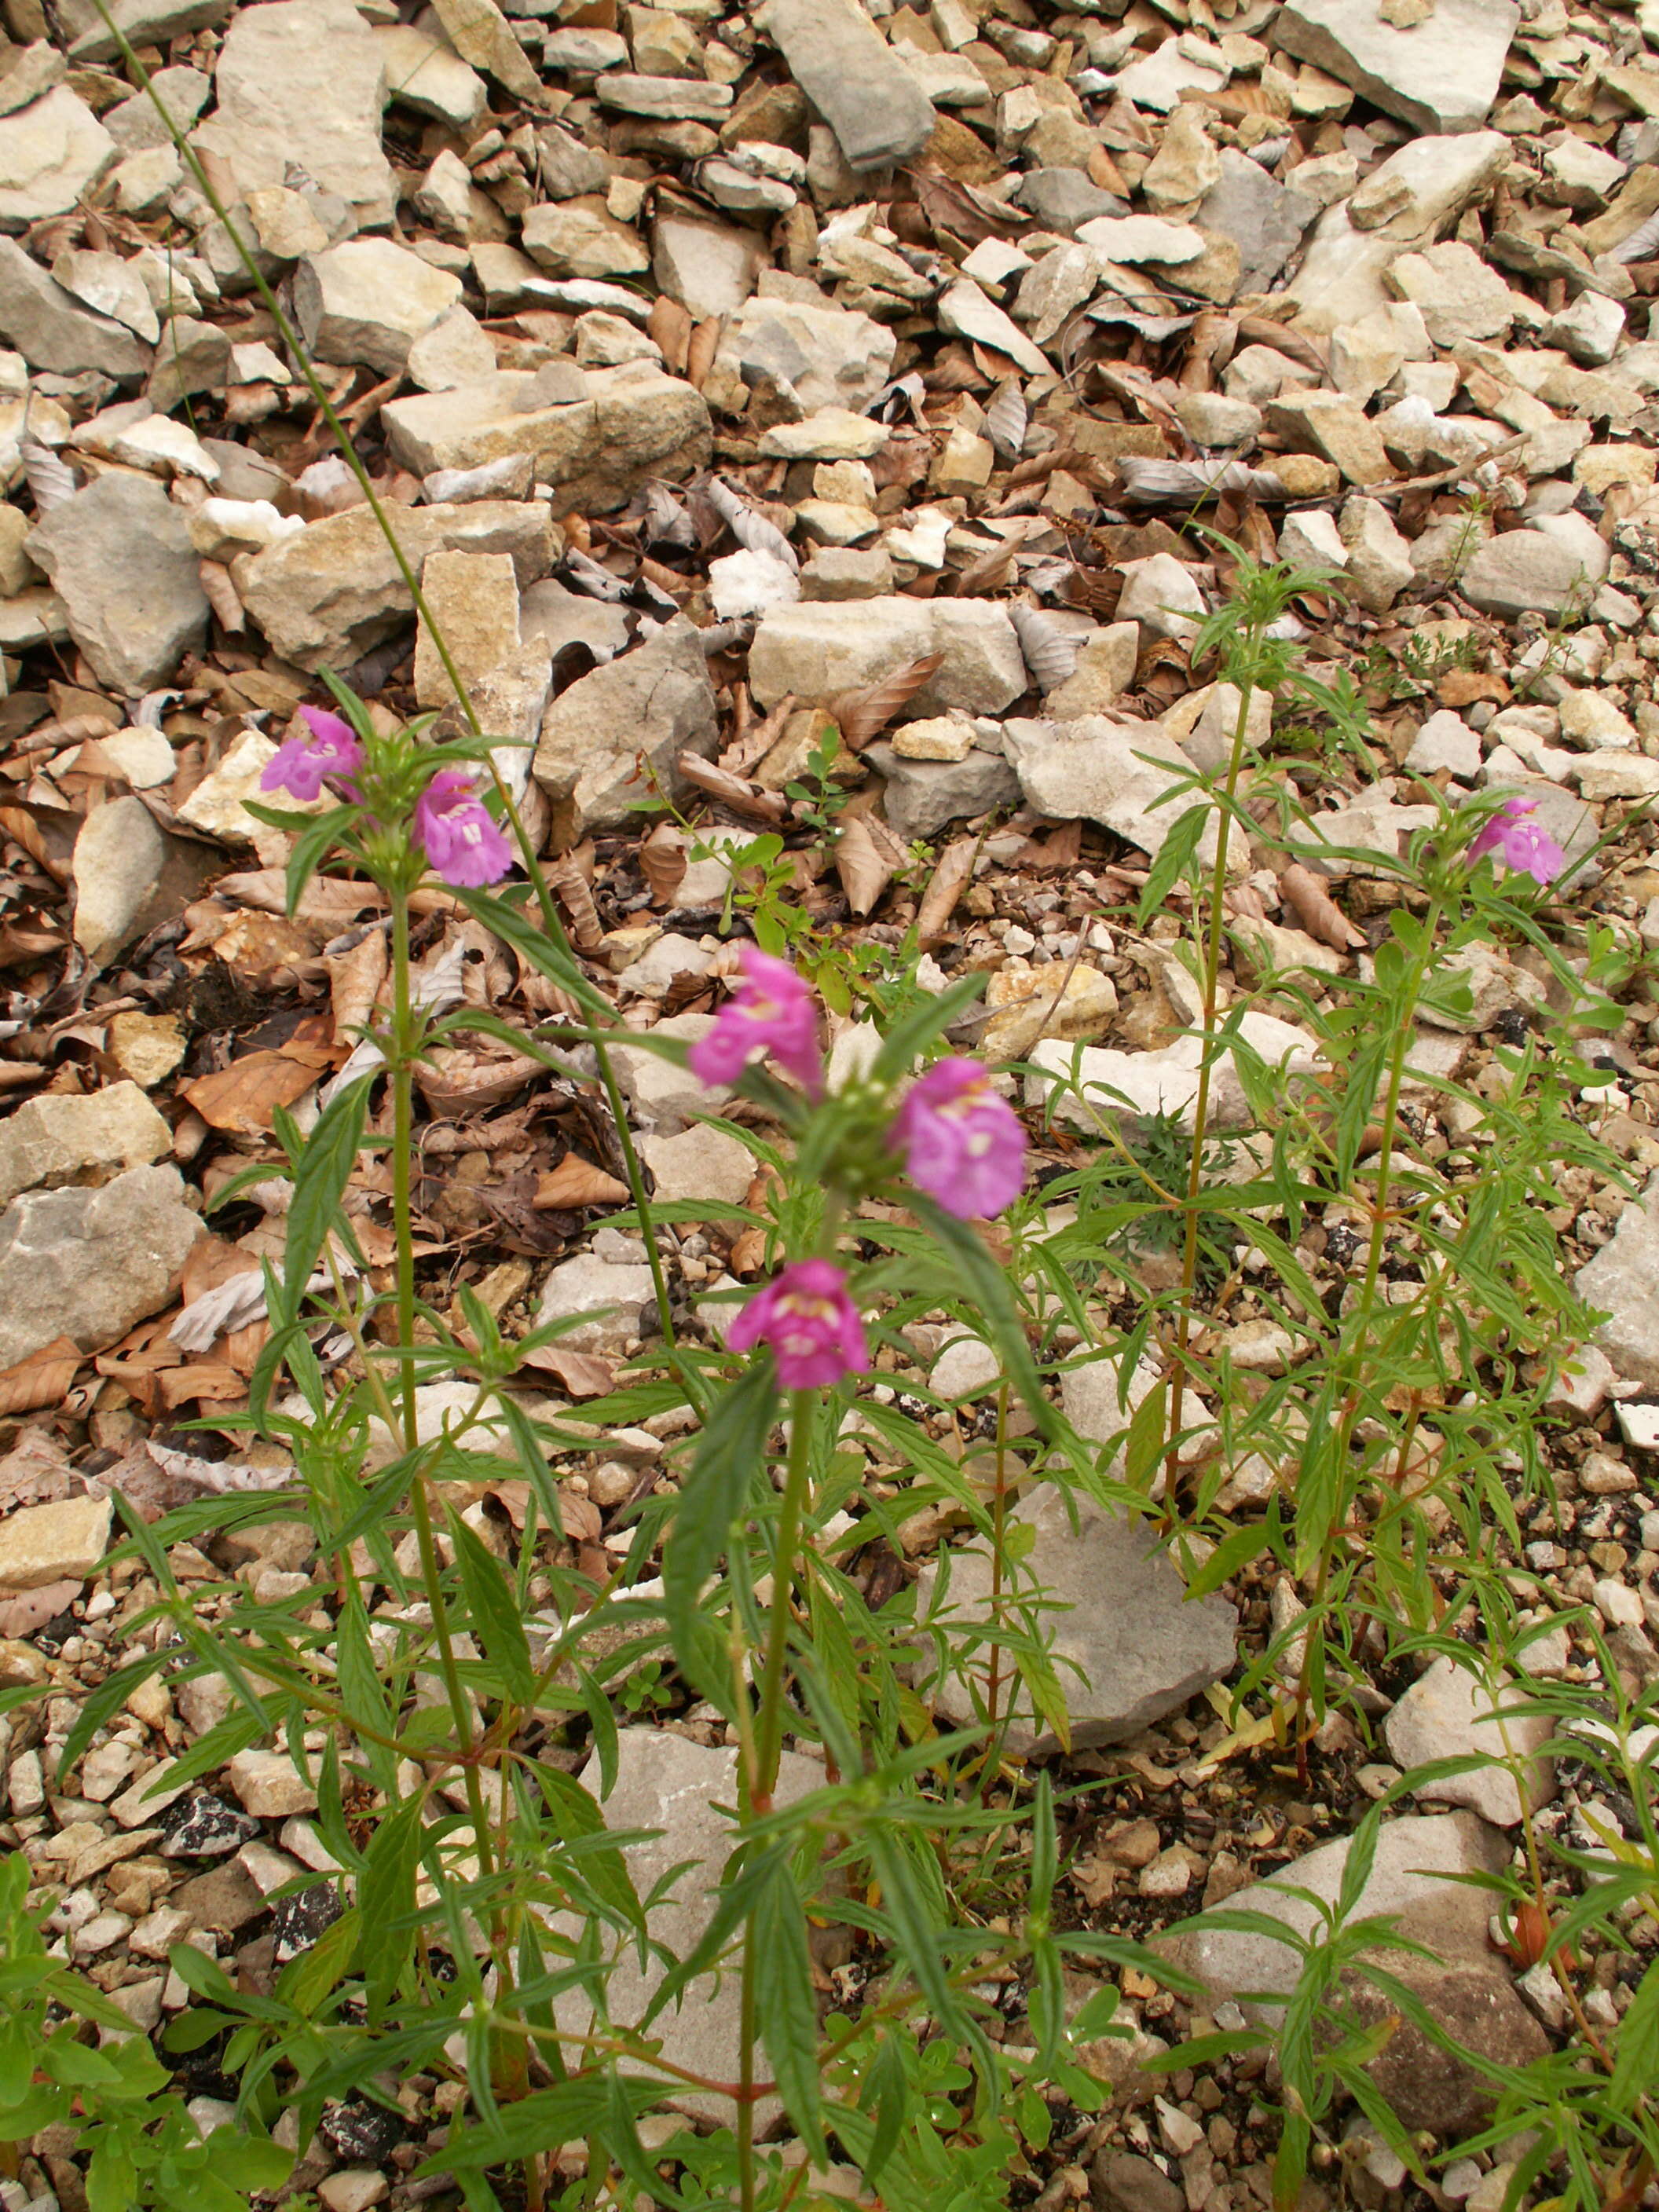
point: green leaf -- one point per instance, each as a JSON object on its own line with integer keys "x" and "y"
{"x": 730, "y": 1458}
{"x": 1172, "y": 860}
{"x": 494, "y": 1608}
{"x": 385, "y": 1903}
{"x": 887, "y": 2085}
{"x": 1096, "y": 2013}
{"x": 16, "y": 2058}
{"x": 324, "y": 1168}
{"x": 1148, "y": 1438}
{"x": 252, "y": 2161}
{"x": 930, "y": 1018}
{"x": 112, "y": 2178}
{"x": 1234, "y": 1552}
{"x": 985, "y": 1285}
{"x": 309, "y": 847}
{"x": 1636, "y": 2062}
{"x": 783, "y": 1998}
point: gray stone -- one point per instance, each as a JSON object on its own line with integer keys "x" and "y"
{"x": 1409, "y": 1878}
{"x": 91, "y": 1264}
{"x": 633, "y": 423}
{"x": 481, "y": 34}
{"x": 327, "y": 595}
{"x": 1622, "y": 1281}
{"x": 829, "y": 356}
{"x": 119, "y": 854}
{"x": 816, "y": 649}
{"x": 110, "y": 287}
{"x": 568, "y": 167}
{"x": 119, "y": 557}
{"x": 64, "y": 1541}
{"x": 63, "y": 1137}
{"x": 616, "y": 1295}
{"x": 367, "y": 300}
{"x": 423, "y": 74}
{"x": 709, "y": 268}
{"x": 1446, "y": 741}
{"x": 144, "y": 23}
{"x": 665, "y": 1782}
{"x": 1449, "y": 1713}
{"x": 847, "y": 572}
{"x": 1089, "y": 769}
{"x": 1265, "y": 220}
{"x": 303, "y": 73}
{"x": 878, "y": 112}
{"x": 51, "y": 154}
{"x": 963, "y": 309}
{"x": 655, "y": 702}
{"x": 699, "y": 1164}
{"x": 136, "y": 126}
{"x": 1439, "y": 74}
{"x": 196, "y": 358}
{"x": 665, "y": 99}
{"x": 1527, "y": 572}
{"x": 52, "y": 331}
{"x": 1137, "y": 1087}
{"x": 665, "y": 1097}
{"x": 1062, "y": 199}
{"x": 1110, "y": 1569}
{"x": 922, "y": 795}
{"x": 1429, "y": 2090}
{"x": 1379, "y": 563}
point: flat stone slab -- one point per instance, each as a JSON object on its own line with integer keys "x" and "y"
{"x": 1106, "y": 1572}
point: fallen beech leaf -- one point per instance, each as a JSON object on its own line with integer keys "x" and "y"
{"x": 863, "y": 714}
{"x": 576, "y": 897}
{"x": 663, "y": 862}
{"x": 701, "y": 349}
{"x": 210, "y": 1381}
{"x": 355, "y": 977}
{"x": 749, "y": 1252}
{"x": 576, "y": 1181}
{"x": 1315, "y": 908}
{"x": 222, "y": 595}
{"x": 242, "y": 1099}
{"x": 332, "y": 900}
{"x": 583, "y": 1523}
{"x": 671, "y": 326}
{"x": 734, "y": 791}
{"x": 583, "y": 1374}
{"x": 465, "y": 1078}
{"x": 42, "y": 1379}
{"x": 868, "y": 857}
{"x": 945, "y": 886}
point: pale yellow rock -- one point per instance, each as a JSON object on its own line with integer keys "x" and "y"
{"x": 1029, "y": 1003}
{"x": 473, "y": 599}
{"x": 61, "y": 1542}
{"x": 1598, "y": 468}
{"x": 146, "y": 1047}
{"x": 939, "y": 737}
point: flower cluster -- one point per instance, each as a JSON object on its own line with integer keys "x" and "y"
{"x": 957, "y": 1139}
{"x": 1522, "y": 845}
{"x": 771, "y": 1011}
{"x": 333, "y": 754}
{"x": 463, "y": 841}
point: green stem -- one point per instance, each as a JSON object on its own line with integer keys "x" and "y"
{"x": 761, "y": 1778}
{"x": 1213, "y": 938}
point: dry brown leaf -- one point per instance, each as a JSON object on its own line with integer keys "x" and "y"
{"x": 702, "y": 346}
{"x": 867, "y": 858}
{"x": 355, "y": 977}
{"x": 734, "y": 791}
{"x": 243, "y": 1098}
{"x": 47, "y": 834}
{"x": 863, "y": 714}
{"x": 583, "y": 1374}
{"x": 43, "y": 1379}
{"x": 576, "y": 897}
{"x": 663, "y": 862}
{"x": 210, "y": 1381}
{"x": 222, "y": 595}
{"x": 36, "y": 1471}
{"x": 945, "y": 887}
{"x": 466, "y": 1078}
{"x": 329, "y": 900}
{"x": 1315, "y": 908}
{"x": 671, "y": 326}
{"x": 749, "y": 1252}
{"x": 266, "y": 948}
{"x": 990, "y": 573}
{"x": 754, "y": 741}
{"x": 576, "y": 1181}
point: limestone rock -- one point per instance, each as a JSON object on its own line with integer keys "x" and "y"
{"x": 879, "y": 114}
{"x": 91, "y": 1264}
{"x": 324, "y": 596}
{"x": 829, "y": 356}
{"x": 1622, "y": 1281}
{"x": 64, "y": 1541}
{"x": 119, "y": 557}
{"x": 423, "y": 74}
{"x": 269, "y": 1785}
{"x": 699, "y": 1164}
{"x": 51, "y": 154}
{"x": 615, "y": 1294}
{"x": 53, "y": 331}
{"x": 1440, "y": 74}
{"x": 1092, "y": 770}
{"x": 657, "y": 701}
{"x": 1406, "y": 201}
{"x": 1526, "y": 572}
{"x": 1265, "y": 219}
{"x": 61, "y": 1138}
{"x": 145, "y": 23}
{"x": 474, "y": 599}
{"x": 367, "y": 300}
{"x": 481, "y": 34}
{"x": 816, "y": 649}
{"x": 1133, "y": 1085}
{"x": 709, "y": 268}
{"x": 1110, "y": 1569}
{"x": 310, "y": 74}
{"x": 574, "y": 238}
{"x": 629, "y": 423}
{"x": 668, "y": 1784}
{"x": 1448, "y": 1713}
{"x": 922, "y": 796}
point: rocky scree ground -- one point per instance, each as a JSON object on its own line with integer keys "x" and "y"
{"x": 804, "y": 417}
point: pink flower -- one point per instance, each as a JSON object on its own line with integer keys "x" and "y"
{"x": 463, "y": 840}
{"x": 301, "y": 769}
{"x": 771, "y": 1011}
{"x": 962, "y": 1143}
{"x": 811, "y": 1324}
{"x": 1522, "y": 845}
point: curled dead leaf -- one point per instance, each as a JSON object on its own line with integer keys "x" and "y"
{"x": 1318, "y": 912}
{"x": 576, "y": 897}
{"x": 945, "y": 887}
{"x": 43, "y": 1379}
{"x": 576, "y": 1181}
{"x": 864, "y": 712}
{"x": 734, "y": 791}
{"x": 663, "y": 862}
{"x": 222, "y": 595}
{"x": 868, "y": 857}
{"x": 243, "y": 1098}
